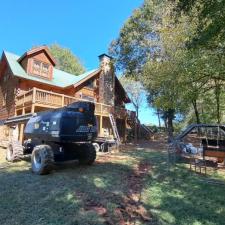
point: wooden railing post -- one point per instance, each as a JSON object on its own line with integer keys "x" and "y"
{"x": 101, "y": 110}
{"x": 100, "y": 125}
{"x": 21, "y": 135}
{"x": 63, "y": 97}
{"x": 23, "y": 98}
{"x": 33, "y": 100}
{"x": 34, "y": 95}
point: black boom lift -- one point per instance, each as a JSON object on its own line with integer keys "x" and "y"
{"x": 58, "y": 135}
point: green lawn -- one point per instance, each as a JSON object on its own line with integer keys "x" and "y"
{"x": 131, "y": 187}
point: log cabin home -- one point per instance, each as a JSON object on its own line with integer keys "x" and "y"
{"x": 31, "y": 83}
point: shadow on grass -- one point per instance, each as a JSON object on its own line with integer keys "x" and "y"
{"x": 74, "y": 194}
{"x": 102, "y": 194}
{"x": 181, "y": 196}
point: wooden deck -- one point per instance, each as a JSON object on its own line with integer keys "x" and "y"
{"x": 46, "y": 99}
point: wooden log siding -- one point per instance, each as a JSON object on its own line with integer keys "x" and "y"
{"x": 8, "y": 85}
{"x": 50, "y": 99}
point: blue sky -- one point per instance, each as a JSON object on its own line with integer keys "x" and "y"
{"x": 85, "y": 26}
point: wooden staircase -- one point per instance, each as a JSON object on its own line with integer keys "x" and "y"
{"x": 144, "y": 131}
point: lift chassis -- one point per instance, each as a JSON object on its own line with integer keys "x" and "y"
{"x": 62, "y": 134}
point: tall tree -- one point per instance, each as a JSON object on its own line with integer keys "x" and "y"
{"x": 66, "y": 60}
{"x": 209, "y": 36}
{"x": 136, "y": 41}
{"x": 179, "y": 67}
{"x": 145, "y": 50}
{"x": 210, "y": 32}
{"x": 135, "y": 91}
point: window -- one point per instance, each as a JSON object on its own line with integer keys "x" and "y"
{"x": 88, "y": 98}
{"x": 90, "y": 84}
{"x": 40, "y": 68}
{"x": 36, "y": 66}
{"x": 45, "y": 68}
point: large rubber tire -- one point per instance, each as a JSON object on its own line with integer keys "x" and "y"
{"x": 9, "y": 153}
{"x": 97, "y": 146}
{"x": 14, "y": 151}
{"x": 104, "y": 147}
{"x": 42, "y": 159}
{"x": 87, "y": 154}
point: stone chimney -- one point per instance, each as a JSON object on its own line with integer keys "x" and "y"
{"x": 106, "y": 80}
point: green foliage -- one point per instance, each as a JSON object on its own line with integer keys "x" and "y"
{"x": 135, "y": 91}
{"x": 132, "y": 47}
{"x": 181, "y": 67}
{"x": 66, "y": 60}
{"x": 210, "y": 32}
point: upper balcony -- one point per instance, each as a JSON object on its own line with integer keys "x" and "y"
{"x": 47, "y": 99}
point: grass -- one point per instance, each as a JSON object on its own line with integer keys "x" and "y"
{"x": 107, "y": 192}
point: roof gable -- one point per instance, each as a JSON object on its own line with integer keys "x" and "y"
{"x": 36, "y": 51}
{"x": 86, "y": 78}
{"x": 60, "y": 78}
{"x": 3, "y": 64}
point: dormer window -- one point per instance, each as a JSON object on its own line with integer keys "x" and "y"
{"x": 40, "y": 68}
{"x": 45, "y": 68}
{"x": 36, "y": 67}
{"x": 38, "y": 62}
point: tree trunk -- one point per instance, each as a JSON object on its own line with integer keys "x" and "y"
{"x": 217, "y": 96}
{"x": 194, "y": 103}
{"x": 158, "y": 114}
{"x": 165, "y": 123}
{"x": 135, "y": 132}
{"x": 170, "y": 118}
{"x": 136, "y": 129}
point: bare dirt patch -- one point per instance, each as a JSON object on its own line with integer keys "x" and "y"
{"x": 132, "y": 207}
{"x": 129, "y": 208}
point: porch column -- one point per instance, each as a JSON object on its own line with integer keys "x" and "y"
{"x": 33, "y": 100}
{"x": 33, "y": 108}
{"x": 100, "y": 124}
{"x": 21, "y": 128}
{"x": 21, "y": 132}
{"x": 63, "y": 99}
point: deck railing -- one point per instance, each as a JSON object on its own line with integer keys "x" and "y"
{"x": 25, "y": 98}
{"x": 50, "y": 99}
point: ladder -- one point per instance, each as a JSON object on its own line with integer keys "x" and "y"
{"x": 114, "y": 127}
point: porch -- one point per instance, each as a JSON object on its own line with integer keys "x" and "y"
{"x": 37, "y": 100}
